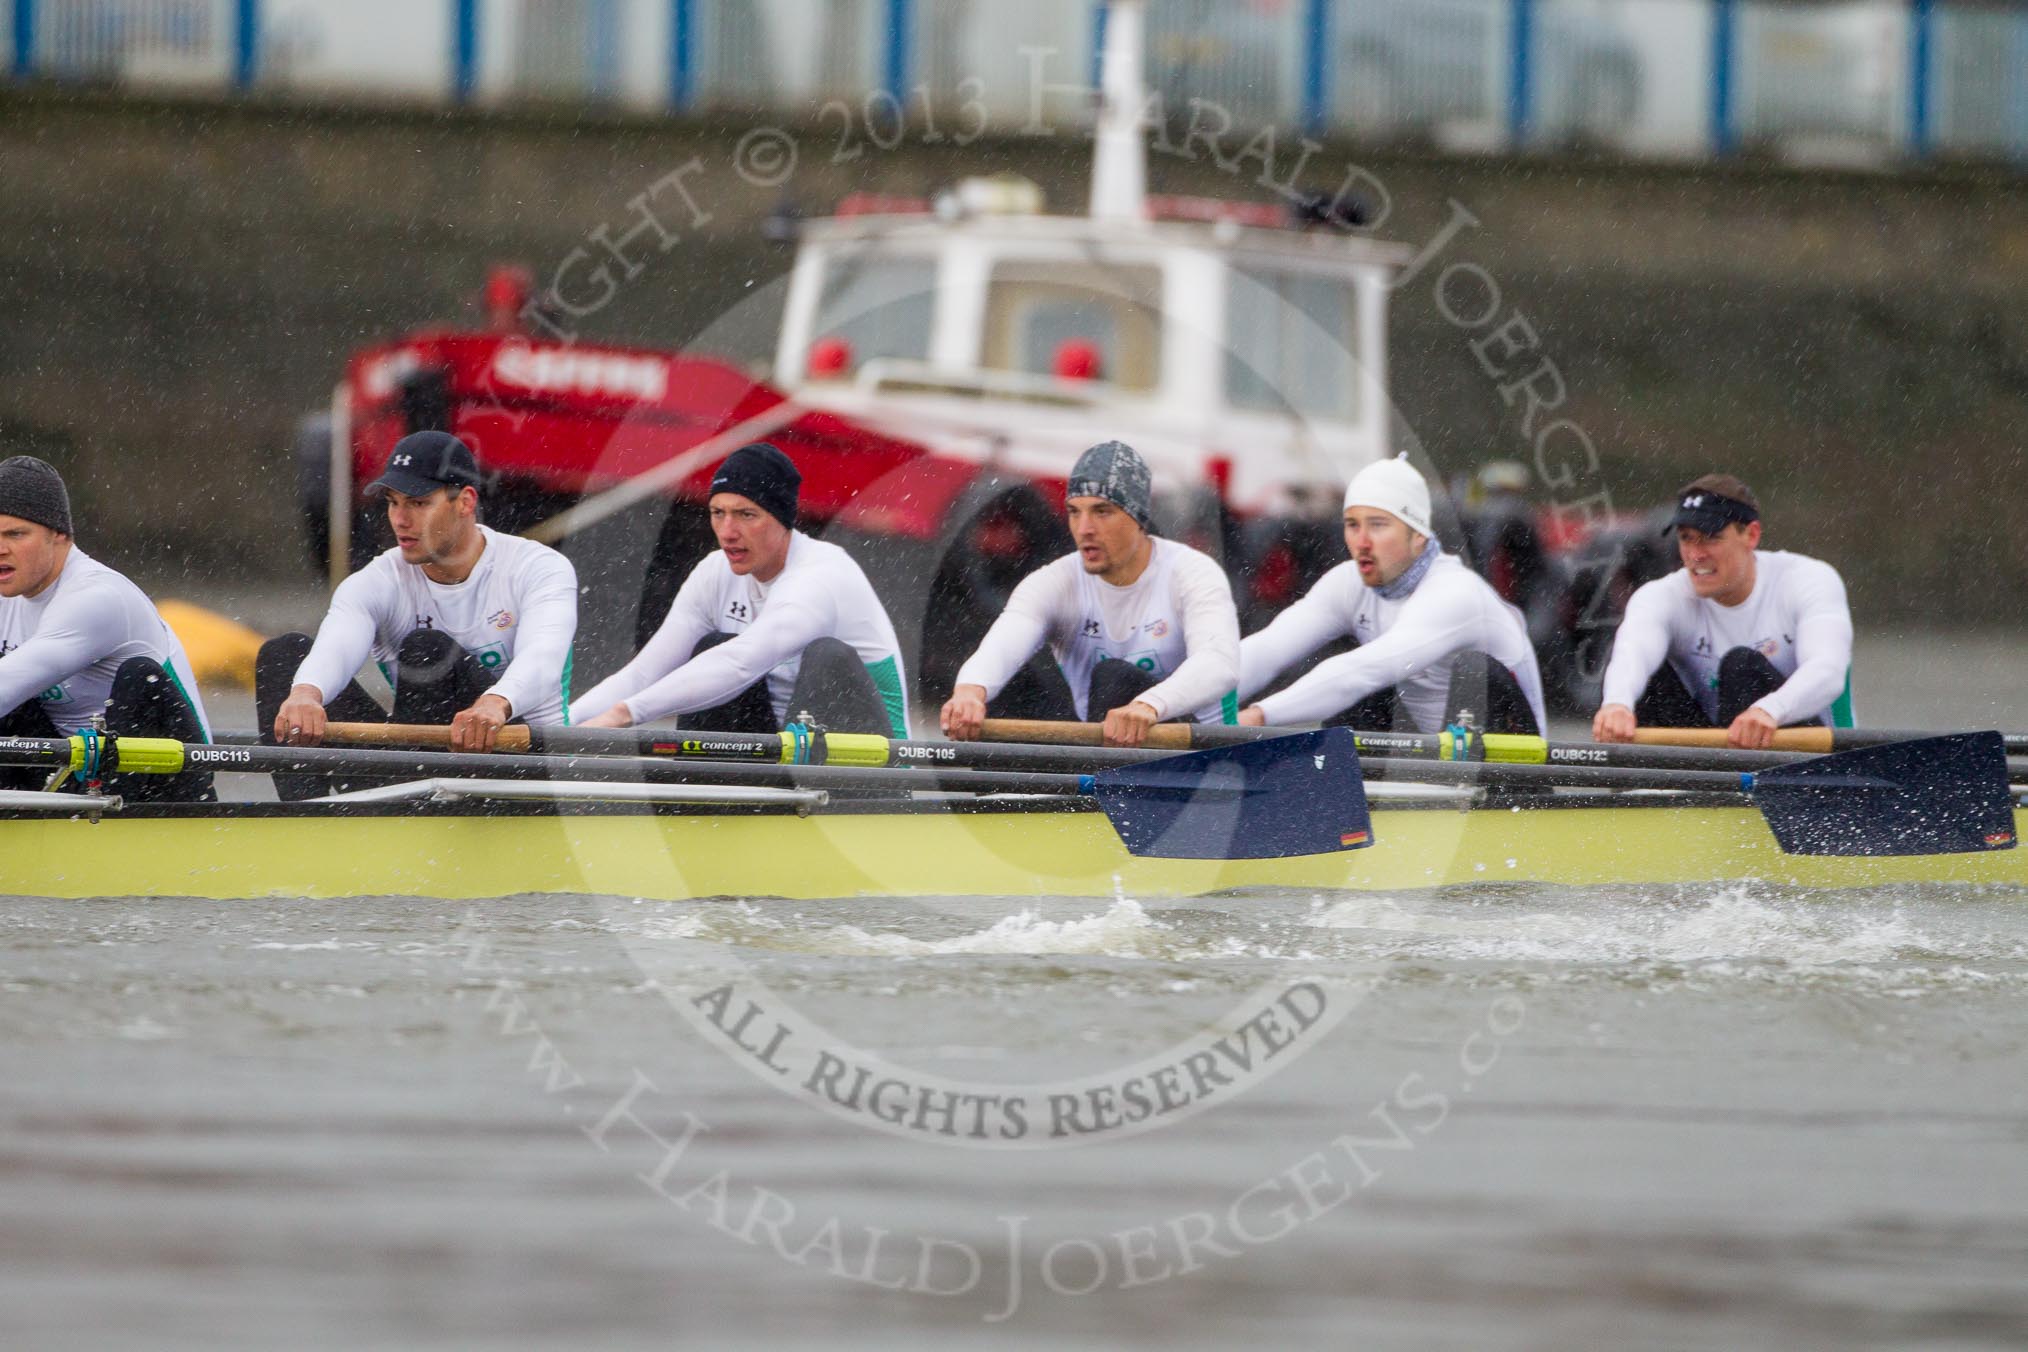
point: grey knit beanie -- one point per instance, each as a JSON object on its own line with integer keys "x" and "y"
{"x": 32, "y": 490}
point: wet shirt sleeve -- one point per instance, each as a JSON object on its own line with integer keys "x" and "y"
{"x": 1823, "y": 646}
{"x": 1437, "y": 621}
{"x": 548, "y": 603}
{"x": 689, "y": 620}
{"x": 1037, "y": 608}
{"x": 345, "y": 638}
{"x": 1210, "y": 671}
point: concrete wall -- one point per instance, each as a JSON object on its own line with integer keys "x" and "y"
{"x": 182, "y": 280}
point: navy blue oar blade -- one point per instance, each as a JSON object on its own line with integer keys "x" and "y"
{"x": 1939, "y": 795}
{"x": 1259, "y": 800}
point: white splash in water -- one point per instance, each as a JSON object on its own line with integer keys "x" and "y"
{"x": 1123, "y": 930}
{"x": 1738, "y": 924}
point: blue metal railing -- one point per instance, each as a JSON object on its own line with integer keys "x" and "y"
{"x": 1876, "y": 80}
{"x": 1921, "y": 19}
{"x": 246, "y": 43}
{"x": 682, "y": 53}
{"x": 1724, "y": 52}
{"x": 1316, "y": 66}
{"x": 464, "y": 49}
{"x": 24, "y": 39}
{"x": 896, "y": 67}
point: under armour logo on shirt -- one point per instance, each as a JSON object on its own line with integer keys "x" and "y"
{"x": 1091, "y": 628}
{"x": 425, "y": 621}
{"x": 737, "y": 610}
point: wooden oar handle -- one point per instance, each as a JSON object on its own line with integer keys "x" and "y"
{"x": 513, "y": 737}
{"x": 1786, "y": 739}
{"x": 1161, "y": 737}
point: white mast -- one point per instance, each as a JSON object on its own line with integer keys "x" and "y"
{"x": 1119, "y": 171}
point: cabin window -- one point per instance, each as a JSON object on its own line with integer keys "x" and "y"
{"x": 1290, "y": 343}
{"x": 879, "y": 307}
{"x": 1035, "y": 308}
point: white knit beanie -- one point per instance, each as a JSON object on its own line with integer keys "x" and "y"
{"x": 1394, "y": 486}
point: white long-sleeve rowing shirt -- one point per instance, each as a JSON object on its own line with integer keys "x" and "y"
{"x": 1409, "y": 644}
{"x": 1796, "y": 616}
{"x": 1175, "y": 620}
{"x": 517, "y": 610}
{"x": 820, "y": 593}
{"x": 65, "y": 646}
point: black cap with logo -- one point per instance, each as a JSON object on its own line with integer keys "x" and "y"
{"x": 423, "y": 462}
{"x": 1708, "y": 513}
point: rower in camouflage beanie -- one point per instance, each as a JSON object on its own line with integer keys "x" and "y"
{"x": 1114, "y": 471}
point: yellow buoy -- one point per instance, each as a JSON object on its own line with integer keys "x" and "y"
{"x": 220, "y": 650}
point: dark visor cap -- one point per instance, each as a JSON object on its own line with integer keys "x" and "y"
{"x": 1707, "y": 513}
{"x": 423, "y": 462}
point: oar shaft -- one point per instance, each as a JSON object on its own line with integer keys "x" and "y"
{"x": 1493, "y": 775}
{"x": 1851, "y": 739}
{"x": 765, "y": 748}
{"x": 150, "y": 755}
{"x": 1491, "y": 748}
{"x": 1076, "y": 748}
{"x": 1816, "y": 741}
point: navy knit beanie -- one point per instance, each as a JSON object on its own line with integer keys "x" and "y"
{"x": 761, "y": 472}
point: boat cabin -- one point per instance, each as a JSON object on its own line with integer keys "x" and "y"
{"x": 1236, "y": 355}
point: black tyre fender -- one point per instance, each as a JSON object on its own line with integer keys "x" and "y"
{"x": 1605, "y": 574}
{"x": 942, "y": 594}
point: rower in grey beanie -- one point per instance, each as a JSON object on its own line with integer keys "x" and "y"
{"x": 32, "y": 490}
{"x": 1114, "y": 471}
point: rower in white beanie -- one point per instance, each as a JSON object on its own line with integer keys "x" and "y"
{"x": 1432, "y": 636}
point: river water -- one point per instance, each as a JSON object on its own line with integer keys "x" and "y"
{"x": 1490, "y": 1117}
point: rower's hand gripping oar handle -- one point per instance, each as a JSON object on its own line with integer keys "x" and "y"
{"x": 513, "y": 737}
{"x": 1816, "y": 740}
{"x": 1161, "y": 737}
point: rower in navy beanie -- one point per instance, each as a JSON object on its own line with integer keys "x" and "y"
{"x": 32, "y": 490}
{"x": 763, "y": 474}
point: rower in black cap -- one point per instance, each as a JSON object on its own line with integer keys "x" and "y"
{"x": 771, "y": 626}
{"x": 78, "y": 640}
{"x": 1740, "y": 638}
{"x": 471, "y": 627}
